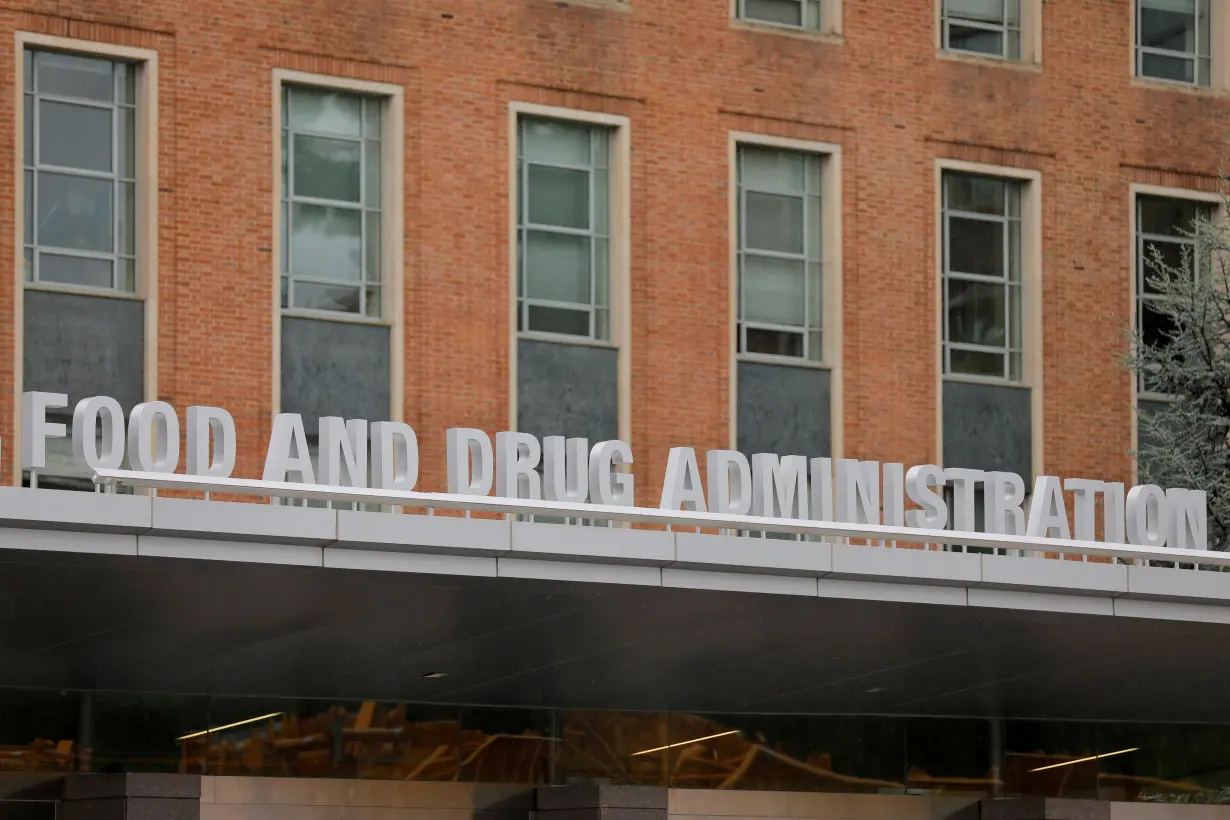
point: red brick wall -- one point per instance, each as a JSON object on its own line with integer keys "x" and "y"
{"x": 685, "y": 77}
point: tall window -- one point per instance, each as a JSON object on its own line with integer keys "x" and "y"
{"x": 80, "y": 149}
{"x": 780, "y": 277}
{"x": 563, "y": 228}
{"x": 801, "y": 14}
{"x": 988, "y": 27}
{"x": 982, "y": 276}
{"x": 1173, "y": 40}
{"x": 331, "y": 224}
{"x": 1163, "y": 226}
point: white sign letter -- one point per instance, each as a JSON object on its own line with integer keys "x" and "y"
{"x": 607, "y": 485}
{"x": 918, "y": 483}
{"x": 343, "y": 452}
{"x": 779, "y": 486}
{"x": 202, "y": 422}
{"x": 858, "y": 491}
{"x": 516, "y": 466}
{"x": 35, "y": 429}
{"x": 395, "y": 456}
{"x": 730, "y": 482}
{"x": 153, "y": 437}
{"x": 280, "y": 461}
{"x": 564, "y": 469}
{"x": 469, "y": 461}
{"x": 1084, "y": 506}
{"x": 1002, "y": 494}
{"x": 963, "y": 482}
{"x": 682, "y": 486}
{"x": 822, "y": 489}
{"x": 1189, "y": 517}
{"x": 1148, "y": 516}
{"x": 86, "y": 417}
{"x": 1047, "y": 511}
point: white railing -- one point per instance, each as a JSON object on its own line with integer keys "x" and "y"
{"x": 672, "y": 520}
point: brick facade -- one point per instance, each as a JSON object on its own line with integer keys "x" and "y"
{"x": 685, "y": 76}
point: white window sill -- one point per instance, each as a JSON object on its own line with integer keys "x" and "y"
{"x": 971, "y": 58}
{"x": 788, "y": 361}
{"x": 829, "y": 37}
{"x": 79, "y": 290}
{"x": 564, "y": 339}
{"x": 329, "y": 316}
{"x": 993, "y": 381}
{"x": 1153, "y": 84}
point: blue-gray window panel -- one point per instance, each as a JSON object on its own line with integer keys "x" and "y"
{"x": 84, "y": 346}
{"x": 784, "y": 410}
{"x": 334, "y": 369}
{"x": 988, "y": 427}
{"x": 567, "y": 390}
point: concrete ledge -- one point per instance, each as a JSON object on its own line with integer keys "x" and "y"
{"x": 608, "y": 545}
{"x": 575, "y": 571}
{"x": 57, "y": 509}
{"x": 439, "y": 534}
{"x": 910, "y": 565}
{"x": 768, "y": 556}
{"x": 89, "y": 543}
{"x": 1046, "y": 575}
{"x": 1161, "y": 583}
{"x": 209, "y": 550}
{"x": 1024, "y": 600}
{"x": 738, "y": 582}
{"x": 897, "y": 591}
{"x": 309, "y": 526}
{"x": 428, "y": 564}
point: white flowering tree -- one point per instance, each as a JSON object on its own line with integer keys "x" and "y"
{"x": 1179, "y": 353}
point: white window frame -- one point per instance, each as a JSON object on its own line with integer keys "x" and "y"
{"x": 1219, "y": 47}
{"x": 1030, "y": 36}
{"x": 146, "y": 217}
{"x": 392, "y": 239}
{"x": 829, "y": 28}
{"x": 1010, "y": 321}
{"x": 831, "y": 276}
{"x": 1031, "y": 298}
{"x": 619, "y": 270}
{"x": 1135, "y": 192}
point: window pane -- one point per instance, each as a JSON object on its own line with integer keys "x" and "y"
{"x": 558, "y": 320}
{"x": 126, "y": 124}
{"x": 1157, "y": 328}
{"x": 1168, "y": 217}
{"x": 127, "y": 219}
{"x": 28, "y": 218}
{"x": 782, "y": 172}
{"x": 986, "y": 11}
{"x": 67, "y": 75}
{"x": 977, "y": 40}
{"x": 371, "y": 118}
{"x": 555, "y": 143}
{"x": 976, "y": 363}
{"x": 602, "y": 266}
{"x": 373, "y": 301}
{"x": 975, "y": 246}
{"x": 72, "y": 270}
{"x": 371, "y": 169}
{"x": 326, "y": 242}
{"x": 126, "y": 280}
{"x": 326, "y": 297}
{"x": 558, "y": 196}
{"x": 1168, "y": 24}
{"x": 372, "y": 261}
{"x": 1171, "y": 257}
{"x": 326, "y": 169}
{"x": 27, "y": 126}
{"x": 125, "y": 84}
{"x": 74, "y": 212}
{"x": 602, "y": 203}
{"x": 314, "y": 109}
{"x": 774, "y": 223}
{"x": 784, "y": 12}
{"x": 975, "y": 194}
{"x": 774, "y": 342}
{"x": 976, "y": 313}
{"x": 557, "y": 267}
{"x": 1178, "y": 69}
{"x": 74, "y": 136}
{"x": 773, "y": 291}
{"x": 1015, "y": 319}
{"x": 27, "y": 70}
